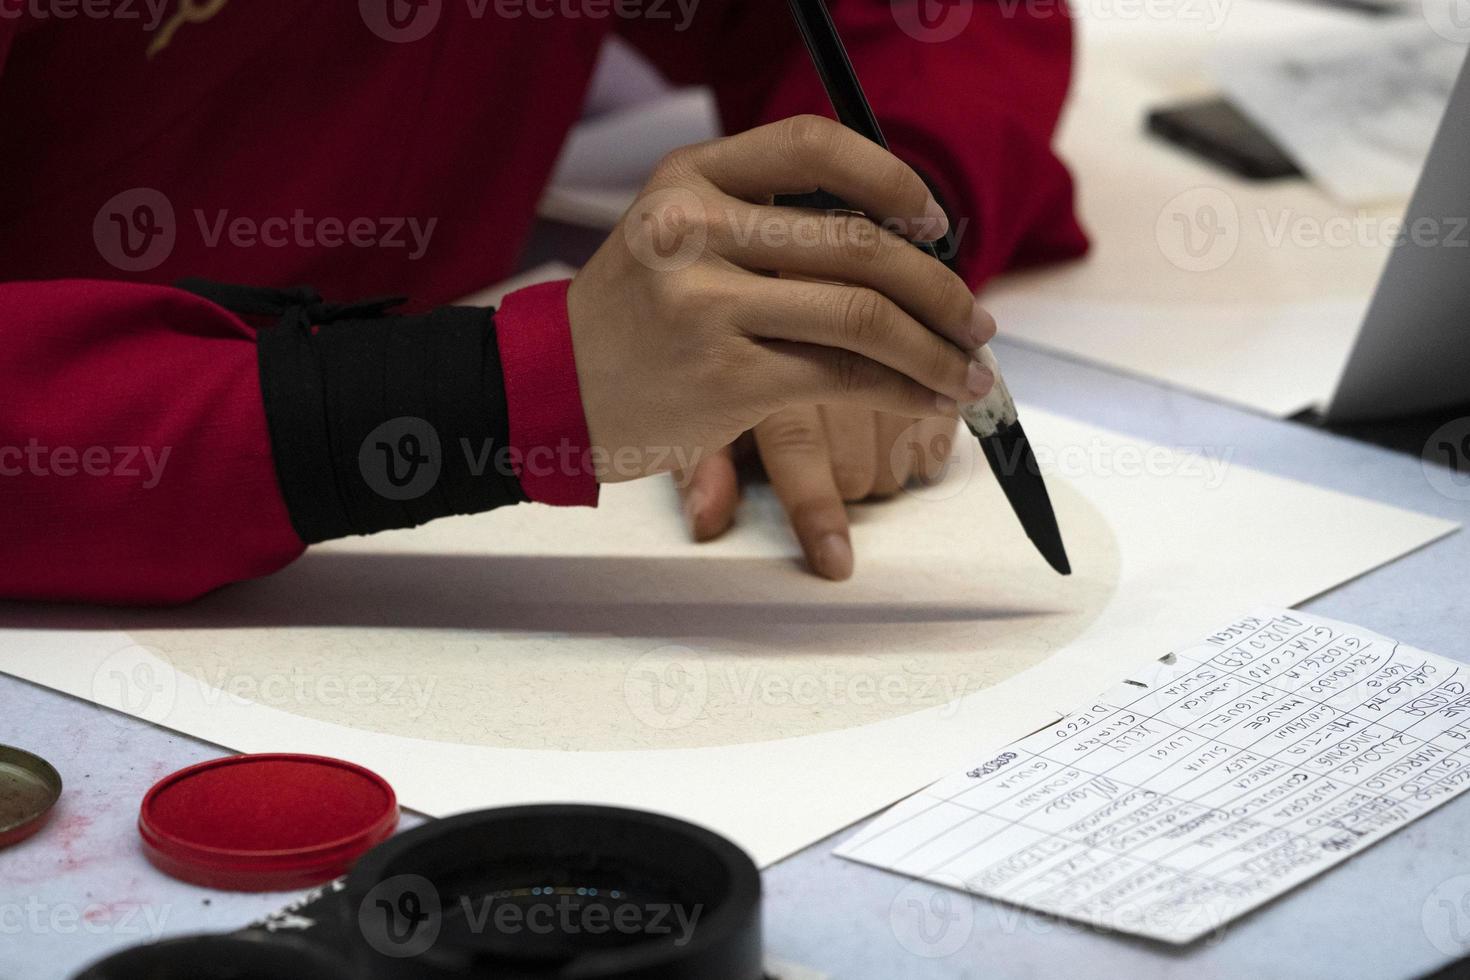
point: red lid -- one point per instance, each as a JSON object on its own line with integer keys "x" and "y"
{"x": 276, "y": 822}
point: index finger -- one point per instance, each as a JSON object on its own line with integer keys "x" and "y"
{"x": 804, "y": 153}
{"x": 793, "y": 448}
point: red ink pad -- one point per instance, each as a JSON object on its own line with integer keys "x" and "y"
{"x": 275, "y": 822}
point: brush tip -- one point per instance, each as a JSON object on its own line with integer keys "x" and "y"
{"x": 1009, "y": 453}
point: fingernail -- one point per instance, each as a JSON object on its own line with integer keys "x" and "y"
{"x": 979, "y": 380}
{"x": 694, "y": 509}
{"x": 982, "y": 328}
{"x": 936, "y": 222}
{"x": 945, "y": 405}
{"x": 834, "y": 557}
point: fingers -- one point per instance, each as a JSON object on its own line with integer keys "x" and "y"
{"x": 896, "y": 435}
{"x": 852, "y": 440}
{"x": 710, "y": 495}
{"x": 935, "y": 440}
{"x": 809, "y": 374}
{"x": 850, "y": 248}
{"x": 863, "y": 321}
{"x": 876, "y": 455}
{"x": 793, "y": 446}
{"x": 911, "y": 452}
{"x": 804, "y": 153}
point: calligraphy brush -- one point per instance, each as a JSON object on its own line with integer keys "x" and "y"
{"x": 992, "y": 420}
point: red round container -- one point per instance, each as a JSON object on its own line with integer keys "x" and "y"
{"x": 272, "y": 822}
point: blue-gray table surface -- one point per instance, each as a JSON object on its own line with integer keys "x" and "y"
{"x": 82, "y": 888}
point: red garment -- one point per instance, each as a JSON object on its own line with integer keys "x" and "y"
{"x": 541, "y": 379}
{"x": 270, "y": 142}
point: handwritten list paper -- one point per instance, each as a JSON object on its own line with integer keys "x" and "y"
{"x": 1281, "y": 745}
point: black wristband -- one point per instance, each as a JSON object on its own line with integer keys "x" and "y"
{"x": 378, "y": 421}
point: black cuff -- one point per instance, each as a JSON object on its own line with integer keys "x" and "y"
{"x": 378, "y": 421}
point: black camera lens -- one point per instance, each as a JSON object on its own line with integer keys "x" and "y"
{"x": 238, "y": 957}
{"x": 556, "y": 891}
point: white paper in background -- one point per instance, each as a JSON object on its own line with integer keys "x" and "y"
{"x": 1275, "y": 358}
{"x": 608, "y": 159}
{"x": 622, "y": 78}
{"x": 1279, "y": 746}
{"x": 1358, "y": 110}
{"x": 1248, "y": 292}
{"x": 537, "y": 654}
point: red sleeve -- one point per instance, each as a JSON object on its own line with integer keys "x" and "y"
{"x": 970, "y": 99}
{"x": 135, "y": 463}
{"x": 135, "y": 457}
{"x": 548, "y": 430}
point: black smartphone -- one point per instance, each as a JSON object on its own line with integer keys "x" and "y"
{"x": 1216, "y": 130}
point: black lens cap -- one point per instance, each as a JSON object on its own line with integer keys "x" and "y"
{"x": 237, "y": 957}
{"x": 561, "y": 891}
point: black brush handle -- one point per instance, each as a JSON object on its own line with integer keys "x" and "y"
{"x": 834, "y": 67}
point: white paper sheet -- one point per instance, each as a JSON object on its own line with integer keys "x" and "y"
{"x": 534, "y": 654}
{"x": 608, "y": 159}
{"x": 1277, "y": 747}
{"x": 1358, "y": 110}
{"x": 1250, "y": 293}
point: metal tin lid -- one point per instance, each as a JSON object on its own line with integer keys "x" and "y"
{"x": 29, "y": 788}
{"x": 273, "y": 822}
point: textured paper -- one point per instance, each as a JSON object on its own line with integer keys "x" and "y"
{"x": 1166, "y": 807}
{"x": 534, "y": 654}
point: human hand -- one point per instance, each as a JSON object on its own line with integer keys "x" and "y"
{"x": 686, "y": 336}
{"x": 818, "y": 458}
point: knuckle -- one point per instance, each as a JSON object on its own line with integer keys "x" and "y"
{"x": 721, "y": 367}
{"x": 861, "y": 317}
{"x": 858, "y": 240}
{"x": 694, "y": 297}
{"x": 677, "y": 166}
{"x": 668, "y": 228}
{"x": 898, "y": 174}
{"x": 686, "y": 216}
{"x": 724, "y": 312}
{"x": 948, "y": 365}
{"x": 851, "y": 373}
{"x": 955, "y": 299}
{"x": 794, "y": 436}
{"x": 810, "y": 138}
